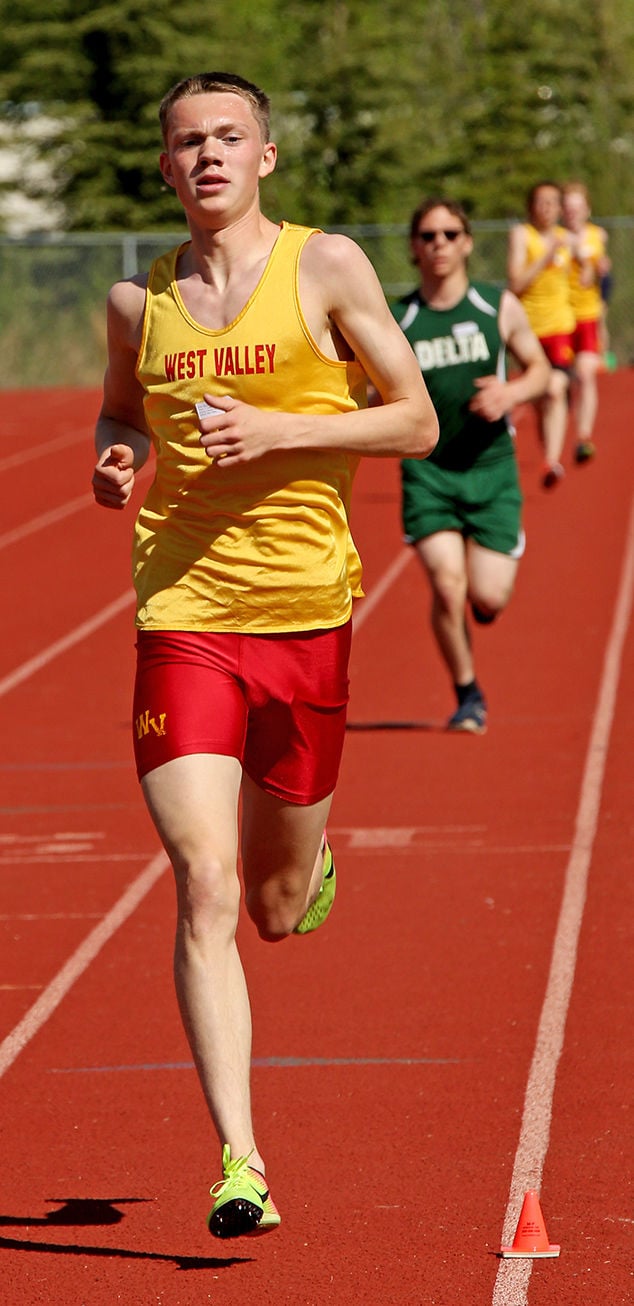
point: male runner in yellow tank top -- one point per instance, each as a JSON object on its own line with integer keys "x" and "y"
{"x": 242, "y": 358}
{"x": 537, "y": 270}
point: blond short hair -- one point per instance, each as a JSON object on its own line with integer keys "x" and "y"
{"x": 203, "y": 83}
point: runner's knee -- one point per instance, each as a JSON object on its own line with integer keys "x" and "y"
{"x": 449, "y": 590}
{"x": 558, "y": 385}
{"x": 208, "y": 894}
{"x": 275, "y": 907}
{"x": 490, "y": 600}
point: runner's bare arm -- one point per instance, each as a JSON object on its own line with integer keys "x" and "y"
{"x": 520, "y": 274}
{"x": 525, "y": 347}
{"x": 342, "y": 301}
{"x": 121, "y": 437}
{"x": 496, "y": 396}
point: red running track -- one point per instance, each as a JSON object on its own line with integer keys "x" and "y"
{"x": 459, "y": 1033}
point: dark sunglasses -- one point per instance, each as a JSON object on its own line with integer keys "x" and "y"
{"x": 428, "y": 236}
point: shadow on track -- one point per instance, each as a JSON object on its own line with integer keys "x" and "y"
{"x": 397, "y": 725}
{"x": 123, "y": 1253}
{"x": 78, "y": 1211}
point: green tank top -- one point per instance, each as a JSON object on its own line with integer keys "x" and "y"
{"x": 455, "y": 346}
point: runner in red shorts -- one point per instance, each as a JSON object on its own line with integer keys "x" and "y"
{"x": 242, "y": 358}
{"x": 589, "y": 267}
{"x": 538, "y": 265}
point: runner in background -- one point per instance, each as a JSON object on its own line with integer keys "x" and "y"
{"x": 538, "y": 273}
{"x": 462, "y": 506}
{"x": 589, "y": 268}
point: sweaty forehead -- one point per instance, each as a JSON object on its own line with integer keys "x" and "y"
{"x": 208, "y": 109}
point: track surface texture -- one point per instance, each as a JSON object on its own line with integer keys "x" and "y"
{"x": 460, "y": 1031}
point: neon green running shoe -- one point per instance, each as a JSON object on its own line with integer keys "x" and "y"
{"x": 321, "y": 907}
{"x": 243, "y": 1202}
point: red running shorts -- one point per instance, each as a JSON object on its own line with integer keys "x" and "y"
{"x": 585, "y": 338}
{"x": 277, "y": 703}
{"x": 558, "y": 350}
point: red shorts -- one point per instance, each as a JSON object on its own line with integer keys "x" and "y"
{"x": 585, "y": 337}
{"x": 276, "y": 702}
{"x": 558, "y": 350}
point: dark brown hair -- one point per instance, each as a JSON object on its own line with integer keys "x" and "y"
{"x": 541, "y": 185}
{"x": 437, "y": 202}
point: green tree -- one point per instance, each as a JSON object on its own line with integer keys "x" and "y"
{"x": 348, "y": 123}
{"x": 98, "y": 70}
{"x": 539, "y": 106}
{"x": 550, "y": 95}
{"x": 374, "y": 103}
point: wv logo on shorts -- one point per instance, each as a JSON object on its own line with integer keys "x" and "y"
{"x": 144, "y": 723}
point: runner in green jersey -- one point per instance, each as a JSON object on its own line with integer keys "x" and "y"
{"x": 462, "y": 506}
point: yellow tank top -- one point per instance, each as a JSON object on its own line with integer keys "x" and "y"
{"x": 586, "y": 300}
{"x": 547, "y": 299}
{"x": 264, "y": 547}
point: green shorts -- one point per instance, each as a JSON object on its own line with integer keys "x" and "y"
{"x": 484, "y": 503}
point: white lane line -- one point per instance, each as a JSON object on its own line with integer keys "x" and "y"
{"x": 67, "y": 509}
{"x": 59, "y": 986}
{"x": 87, "y": 628}
{"x": 78, "y": 962}
{"x": 36, "y": 452}
{"x": 92, "y": 945}
{"x": 511, "y": 1285}
{"x": 46, "y": 519}
{"x": 372, "y": 600}
{"x": 73, "y": 637}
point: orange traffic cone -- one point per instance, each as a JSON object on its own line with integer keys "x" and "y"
{"x": 531, "y": 1238}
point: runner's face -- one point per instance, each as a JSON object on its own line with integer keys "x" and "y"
{"x": 546, "y": 208}
{"x": 215, "y": 156}
{"x": 575, "y": 210}
{"x": 443, "y": 254}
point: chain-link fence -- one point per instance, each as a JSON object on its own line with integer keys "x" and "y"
{"x": 53, "y": 290}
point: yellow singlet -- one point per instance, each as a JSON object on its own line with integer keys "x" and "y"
{"x": 547, "y": 299}
{"x": 263, "y": 547}
{"x": 586, "y": 300}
